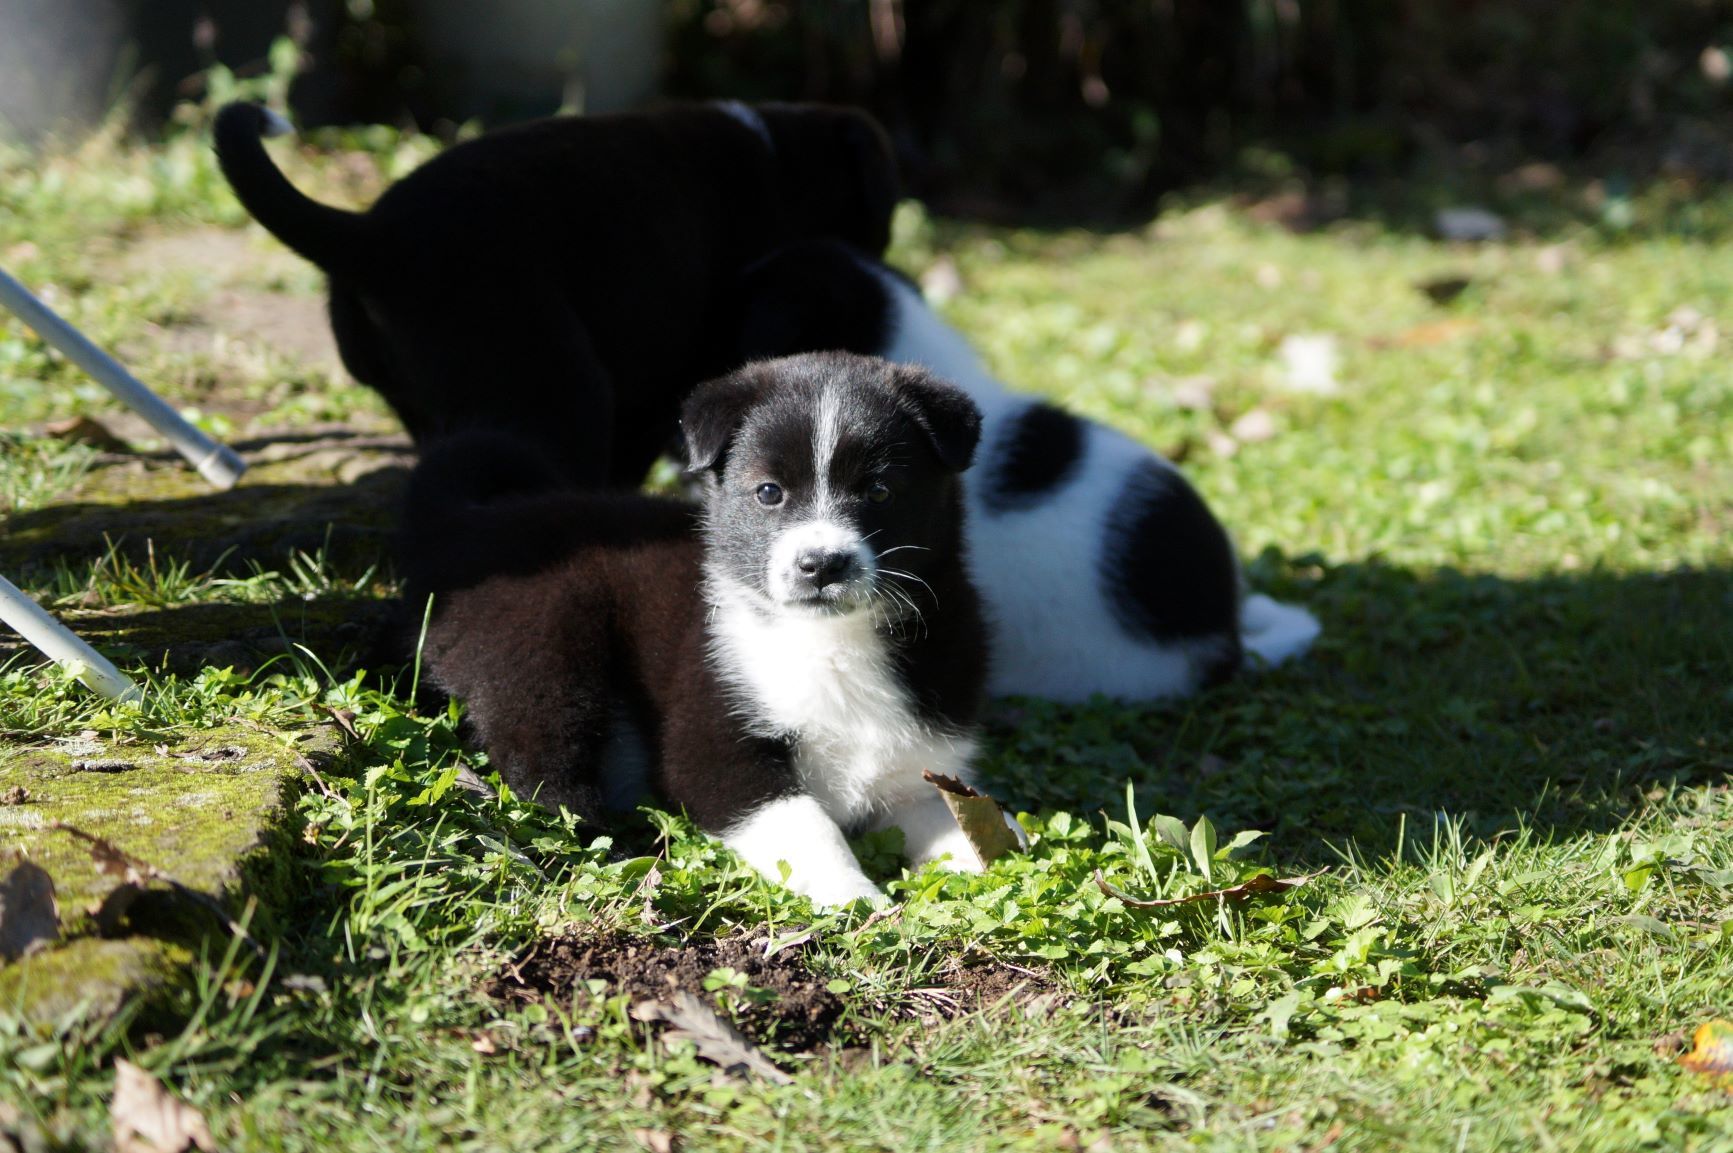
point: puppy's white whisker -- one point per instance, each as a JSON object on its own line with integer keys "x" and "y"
{"x": 894, "y": 572}
{"x": 900, "y": 547}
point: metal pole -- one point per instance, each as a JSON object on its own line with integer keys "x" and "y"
{"x": 217, "y": 463}
{"x": 63, "y": 646}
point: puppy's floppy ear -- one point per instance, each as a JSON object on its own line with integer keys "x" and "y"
{"x": 712, "y": 415}
{"x": 944, "y": 412}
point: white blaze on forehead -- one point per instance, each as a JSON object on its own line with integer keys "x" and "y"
{"x": 826, "y": 432}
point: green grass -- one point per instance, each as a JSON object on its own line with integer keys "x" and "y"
{"x": 1507, "y": 760}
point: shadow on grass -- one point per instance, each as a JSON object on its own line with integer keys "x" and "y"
{"x": 1559, "y": 702}
{"x": 259, "y": 523}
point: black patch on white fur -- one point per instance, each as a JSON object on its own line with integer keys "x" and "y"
{"x": 1167, "y": 565}
{"x": 1039, "y": 454}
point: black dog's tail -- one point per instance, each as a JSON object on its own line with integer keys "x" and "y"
{"x": 475, "y": 500}
{"x": 334, "y": 239}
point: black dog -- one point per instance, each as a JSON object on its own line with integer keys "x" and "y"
{"x": 576, "y": 264}
{"x": 790, "y": 656}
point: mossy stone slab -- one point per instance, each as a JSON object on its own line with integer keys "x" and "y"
{"x": 208, "y": 809}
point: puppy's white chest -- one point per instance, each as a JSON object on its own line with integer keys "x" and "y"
{"x": 828, "y": 682}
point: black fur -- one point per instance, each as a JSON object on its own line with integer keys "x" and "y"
{"x": 1159, "y": 517}
{"x": 566, "y": 280}
{"x": 559, "y": 614}
{"x": 1038, "y": 455}
{"x": 810, "y": 296}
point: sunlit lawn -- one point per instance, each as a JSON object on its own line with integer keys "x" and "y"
{"x": 1507, "y": 760}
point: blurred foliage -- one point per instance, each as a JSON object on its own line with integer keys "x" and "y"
{"x": 1090, "y": 110}
{"x": 1069, "y": 107}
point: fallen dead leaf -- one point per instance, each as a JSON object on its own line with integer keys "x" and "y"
{"x": 716, "y": 1040}
{"x": 16, "y": 795}
{"x": 1712, "y": 1052}
{"x": 345, "y": 719}
{"x": 29, "y": 916}
{"x": 147, "y": 1119}
{"x": 1262, "y": 883}
{"x": 1253, "y": 427}
{"x": 484, "y": 1044}
{"x": 979, "y": 816}
{"x": 135, "y": 876}
{"x": 1427, "y": 335}
{"x": 1444, "y": 289}
{"x": 86, "y": 430}
{"x": 655, "y": 1140}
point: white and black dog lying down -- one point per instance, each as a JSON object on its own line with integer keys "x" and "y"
{"x": 1101, "y": 570}
{"x": 577, "y": 265}
{"x": 782, "y": 661}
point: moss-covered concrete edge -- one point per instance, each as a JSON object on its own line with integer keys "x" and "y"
{"x": 213, "y": 809}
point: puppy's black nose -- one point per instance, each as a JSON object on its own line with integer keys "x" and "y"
{"x": 823, "y": 567}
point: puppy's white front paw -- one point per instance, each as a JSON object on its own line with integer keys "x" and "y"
{"x": 951, "y": 849}
{"x": 837, "y": 891}
{"x": 798, "y": 833}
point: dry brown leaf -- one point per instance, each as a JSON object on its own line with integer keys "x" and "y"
{"x": 1444, "y": 289}
{"x": 29, "y": 916}
{"x": 86, "y": 430}
{"x": 716, "y": 1040}
{"x": 135, "y": 876}
{"x": 1427, "y": 335}
{"x": 655, "y": 1140}
{"x": 1712, "y": 1052}
{"x": 147, "y": 1119}
{"x": 345, "y": 719}
{"x": 1262, "y": 883}
{"x": 978, "y": 815}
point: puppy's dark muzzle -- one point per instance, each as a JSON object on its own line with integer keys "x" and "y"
{"x": 819, "y": 569}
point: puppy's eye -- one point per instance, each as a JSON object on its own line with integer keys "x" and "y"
{"x": 878, "y": 492}
{"x": 769, "y": 495}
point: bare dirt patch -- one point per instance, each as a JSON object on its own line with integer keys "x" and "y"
{"x": 970, "y": 985}
{"x": 241, "y": 273}
{"x": 795, "y": 1011}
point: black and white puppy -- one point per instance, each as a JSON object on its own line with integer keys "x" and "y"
{"x": 577, "y": 265}
{"x": 791, "y": 654}
{"x": 1101, "y": 569}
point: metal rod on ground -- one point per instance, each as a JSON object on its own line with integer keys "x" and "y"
{"x": 63, "y": 646}
{"x": 217, "y": 463}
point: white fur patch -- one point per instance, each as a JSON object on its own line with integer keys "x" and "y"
{"x": 1276, "y": 632}
{"x": 1054, "y": 633}
{"x": 817, "y": 536}
{"x": 796, "y": 831}
{"x": 828, "y": 682}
